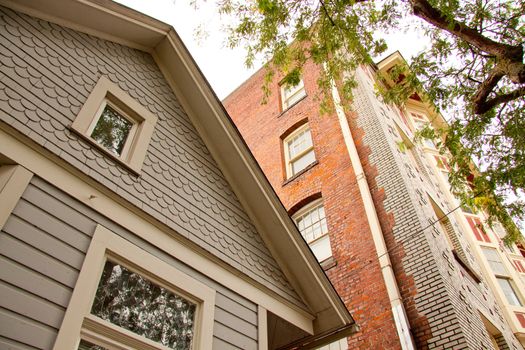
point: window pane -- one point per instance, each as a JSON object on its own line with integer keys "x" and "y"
{"x": 300, "y": 143}
{"x": 111, "y": 130}
{"x": 509, "y": 292}
{"x": 85, "y": 345}
{"x": 312, "y": 224}
{"x": 303, "y": 162}
{"x": 293, "y": 94}
{"x": 130, "y": 301}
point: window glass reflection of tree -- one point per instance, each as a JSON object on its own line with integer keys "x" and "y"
{"x": 130, "y": 301}
{"x": 112, "y": 130}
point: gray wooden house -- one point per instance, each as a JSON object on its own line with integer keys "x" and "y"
{"x": 132, "y": 214}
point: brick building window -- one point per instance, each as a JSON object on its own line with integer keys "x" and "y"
{"x": 492, "y": 256}
{"x": 507, "y": 287}
{"x": 311, "y": 222}
{"x": 292, "y": 94}
{"x": 299, "y": 150}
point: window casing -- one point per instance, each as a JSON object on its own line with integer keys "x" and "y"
{"x": 106, "y": 308}
{"x": 292, "y": 94}
{"x": 311, "y": 222}
{"x": 299, "y": 150}
{"x": 116, "y": 124}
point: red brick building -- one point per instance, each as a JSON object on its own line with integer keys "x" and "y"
{"x": 371, "y": 213}
{"x": 353, "y": 266}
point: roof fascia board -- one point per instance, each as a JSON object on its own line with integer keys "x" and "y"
{"x": 101, "y": 18}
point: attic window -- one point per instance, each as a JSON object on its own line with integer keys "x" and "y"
{"x": 116, "y": 124}
{"x": 113, "y": 130}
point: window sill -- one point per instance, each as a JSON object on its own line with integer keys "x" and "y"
{"x": 291, "y": 106}
{"x": 122, "y": 163}
{"x": 290, "y": 179}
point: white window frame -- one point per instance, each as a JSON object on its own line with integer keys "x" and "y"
{"x": 320, "y": 245}
{"x": 290, "y": 95}
{"x": 107, "y": 93}
{"x": 288, "y": 160}
{"x": 513, "y": 289}
{"x": 80, "y": 323}
{"x": 496, "y": 266}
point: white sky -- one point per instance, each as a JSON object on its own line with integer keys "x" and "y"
{"x": 224, "y": 68}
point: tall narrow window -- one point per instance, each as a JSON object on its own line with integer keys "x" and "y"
{"x": 509, "y": 291}
{"x": 291, "y": 94}
{"x": 494, "y": 260}
{"x": 299, "y": 150}
{"x": 311, "y": 222}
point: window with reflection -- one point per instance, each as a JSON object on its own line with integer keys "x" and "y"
{"x": 128, "y": 300}
{"x": 291, "y": 94}
{"x": 299, "y": 150}
{"x": 112, "y": 130}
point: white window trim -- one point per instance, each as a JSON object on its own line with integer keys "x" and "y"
{"x": 105, "y": 92}
{"x": 324, "y": 236}
{"x": 13, "y": 182}
{"x": 296, "y": 93}
{"x": 78, "y": 321}
{"x": 287, "y": 159}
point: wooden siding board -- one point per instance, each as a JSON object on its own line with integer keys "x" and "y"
{"x": 34, "y": 282}
{"x": 233, "y": 337}
{"x": 58, "y": 208}
{"x": 50, "y": 245}
{"x": 234, "y": 322}
{"x": 37, "y": 261}
{"x": 16, "y": 326}
{"x": 9, "y": 344}
{"x": 219, "y": 344}
{"x": 30, "y": 306}
{"x": 237, "y": 308}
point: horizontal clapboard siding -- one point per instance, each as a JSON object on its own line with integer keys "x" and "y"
{"x": 42, "y": 248}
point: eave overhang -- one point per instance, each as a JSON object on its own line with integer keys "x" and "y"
{"x": 111, "y": 21}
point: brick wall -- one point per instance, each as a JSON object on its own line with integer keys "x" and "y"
{"x": 356, "y": 274}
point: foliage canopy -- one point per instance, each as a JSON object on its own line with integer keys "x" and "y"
{"x": 473, "y": 70}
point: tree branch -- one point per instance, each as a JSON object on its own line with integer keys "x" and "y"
{"x": 488, "y": 104}
{"x": 424, "y": 10}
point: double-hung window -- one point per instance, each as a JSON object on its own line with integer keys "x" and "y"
{"x": 299, "y": 150}
{"x": 292, "y": 94}
{"x": 492, "y": 256}
{"x": 311, "y": 222}
{"x": 507, "y": 287}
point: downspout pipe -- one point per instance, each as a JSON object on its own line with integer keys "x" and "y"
{"x": 398, "y": 310}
